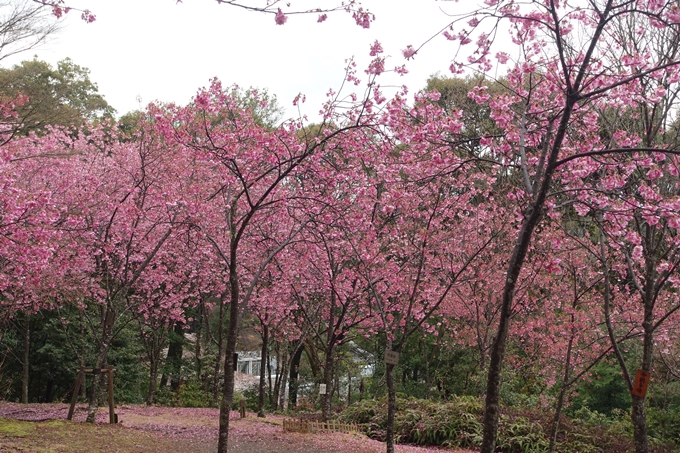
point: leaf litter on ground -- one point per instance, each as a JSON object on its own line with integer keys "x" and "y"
{"x": 153, "y": 429}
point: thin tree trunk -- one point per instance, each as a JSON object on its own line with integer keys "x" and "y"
{"x": 327, "y": 379}
{"x": 153, "y": 382}
{"x": 263, "y": 363}
{"x": 560, "y": 398}
{"x": 349, "y": 387}
{"x": 283, "y": 401}
{"x": 294, "y": 375}
{"x": 198, "y": 362}
{"x": 218, "y": 362}
{"x": 230, "y": 350}
{"x": 638, "y": 413}
{"x": 93, "y": 397}
{"x": 27, "y": 350}
{"x": 277, "y": 378}
{"x": 532, "y": 217}
{"x": 175, "y": 353}
{"x": 391, "y": 407}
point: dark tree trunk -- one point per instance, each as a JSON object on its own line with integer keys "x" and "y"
{"x": 198, "y": 362}
{"x": 229, "y": 365}
{"x": 25, "y": 365}
{"x": 174, "y": 359}
{"x": 328, "y": 380}
{"x": 284, "y": 381}
{"x": 638, "y": 413}
{"x": 49, "y": 390}
{"x": 349, "y": 387}
{"x": 93, "y": 397}
{"x": 220, "y": 352}
{"x": 153, "y": 383}
{"x": 263, "y": 363}
{"x": 108, "y": 317}
{"x": 391, "y": 407}
{"x": 294, "y": 375}
{"x": 277, "y": 378}
{"x": 561, "y": 397}
{"x": 532, "y": 216}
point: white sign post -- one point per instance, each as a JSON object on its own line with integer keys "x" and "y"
{"x": 322, "y": 389}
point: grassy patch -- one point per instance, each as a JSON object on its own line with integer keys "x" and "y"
{"x": 60, "y": 437}
{"x": 14, "y": 428}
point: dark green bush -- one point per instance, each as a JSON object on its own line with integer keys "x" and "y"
{"x": 664, "y": 424}
{"x": 458, "y": 423}
{"x": 190, "y": 394}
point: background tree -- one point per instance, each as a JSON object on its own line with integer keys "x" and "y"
{"x": 64, "y": 96}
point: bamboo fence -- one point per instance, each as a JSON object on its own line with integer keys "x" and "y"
{"x": 315, "y": 426}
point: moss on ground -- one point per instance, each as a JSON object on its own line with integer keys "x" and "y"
{"x": 57, "y": 436}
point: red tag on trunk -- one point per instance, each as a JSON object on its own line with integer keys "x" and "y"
{"x": 640, "y": 384}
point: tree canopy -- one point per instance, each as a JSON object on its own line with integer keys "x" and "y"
{"x": 61, "y": 96}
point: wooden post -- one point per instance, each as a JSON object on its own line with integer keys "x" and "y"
{"x": 76, "y": 390}
{"x": 112, "y": 415}
{"x": 242, "y": 408}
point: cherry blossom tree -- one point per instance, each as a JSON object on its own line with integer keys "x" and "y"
{"x": 561, "y": 68}
{"x": 114, "y": 205}
{"x": 423, "y": 220}
{"x": 247, "y": 173}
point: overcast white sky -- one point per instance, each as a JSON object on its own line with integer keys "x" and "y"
{"x": 161, "y": 50}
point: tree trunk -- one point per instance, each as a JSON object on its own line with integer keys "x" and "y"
{"x": 294, "y": 375}
{"x": 230, "y": 350}
{"x": 391, "y": 407}
{"x": 263, "y": 364}
{"x": 198, "y": 362}
{"x": 283, "y": 402}
{"x": 532, "y": 216}
{"x": 277, "y": 378}
{"x": 27, "y": 350}
{"x": 218, "y": 362}
{"x": 327, "y": 379}
{"x": 93, "y": 397}
{"x": 349, "y": 387}
{"x": 639, "y": 418}
{"x": 108, "y": 317}
{"x": 427, "y": 372}
{"x": 175, "y": 352}
{"x": 638, "y": 413}
{"x": 153, "y": 382}
{"x": 560, "y": 398}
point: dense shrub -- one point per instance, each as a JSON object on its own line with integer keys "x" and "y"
{"x": 190, "y": 394}
{"x": 458, "y": 423}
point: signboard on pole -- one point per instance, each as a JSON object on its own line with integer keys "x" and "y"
{"x": 322, "y": 389}
{"x": 391, "y": 357}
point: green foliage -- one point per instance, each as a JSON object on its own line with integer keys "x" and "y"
{"x": 192, "y": 394}
{"x": 604, "y": 393}
{"x": 454, "y": 97}
{"x": 131, "y": 377}
{"x": 458, "y": 424}
{"x": 664, "y": 424}
{"x": 519, "y": 435}
{"x": 189, "y": 394}
{"x": 64, "y": 96}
